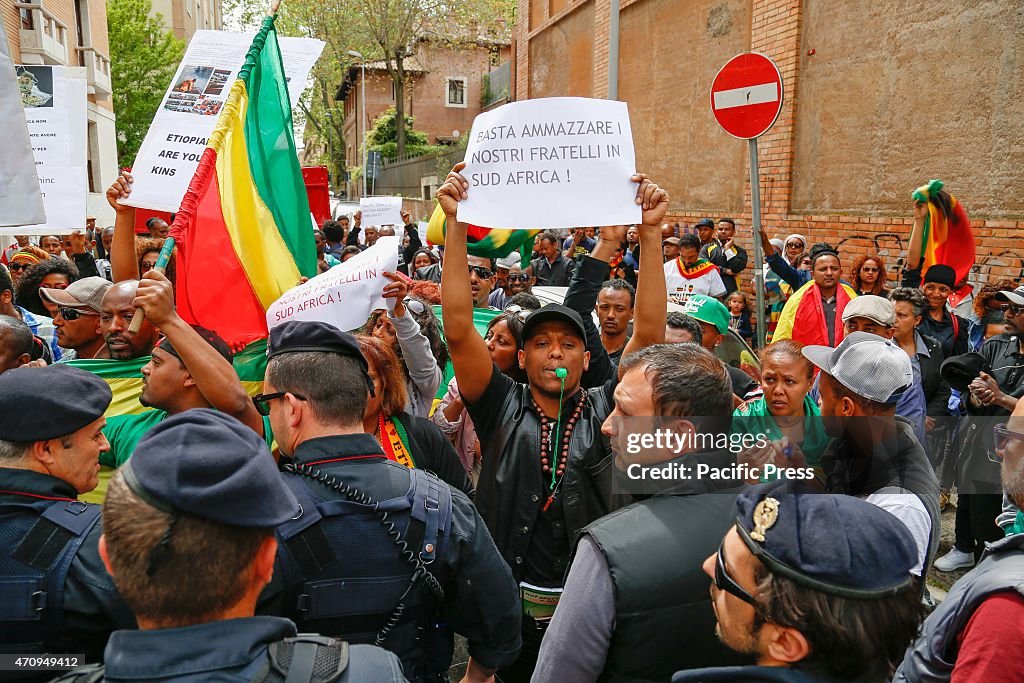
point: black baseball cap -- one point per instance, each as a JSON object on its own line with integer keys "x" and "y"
{"x": 554, "y": 313}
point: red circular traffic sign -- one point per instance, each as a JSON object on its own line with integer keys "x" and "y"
{"x": 746, "y": 95}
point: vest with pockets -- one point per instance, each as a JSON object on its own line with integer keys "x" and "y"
{"x": 38, "y": 542}
{"x": 348, "y": 569}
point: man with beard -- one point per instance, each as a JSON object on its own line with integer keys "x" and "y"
{"x": 874, "y": 454}
{"x": 814, "y": 313}
{"x": 116, "y": 313}
{"x": 190, "y": 368}
{"x": 78, "y": 317}
{"x": 974, "y": 634}
{"x": 816, "y": 587}
{"x": 536, "y": 509}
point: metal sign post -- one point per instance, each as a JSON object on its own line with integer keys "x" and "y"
{"x": 755, "y": 207}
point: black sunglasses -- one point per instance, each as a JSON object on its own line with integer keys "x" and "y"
{"x": 72, "y": 314}
{"x": 724, "y": 582}
{"x": 518, "y": 277}
{"x": 481, "y": 272}
{"x": 1012, "y": 309}
{"x": 1004, "y": 436}
{"x": 262, "y": 401}
{"x": 15, "y": 267}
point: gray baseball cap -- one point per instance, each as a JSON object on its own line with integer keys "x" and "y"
{"x": 868, "y": 365}
{"x": 85, "y": 293}
{"x": 1016, "y": 297}
{"x": 871, "y": 307}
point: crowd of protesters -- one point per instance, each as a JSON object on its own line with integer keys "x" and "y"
{"x": 417, "y": 479}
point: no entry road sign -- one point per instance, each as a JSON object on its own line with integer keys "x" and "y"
{"x": 746, "y": 95}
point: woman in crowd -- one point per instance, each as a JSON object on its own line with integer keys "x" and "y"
{"x": 503, "y": 337}
{"x": 413, "y": 334}
{"x": 868, "y": 276}
{"x": 407, "y": 439}
{"x": 985, "y": 303}
{"x": 805, "y": 262}
{"x": 793, "y": 248}
{"x": 785, "y": 413}
{"x": 53, "y": 273}
{"x": 25, "y": 258}
{"x": 422, "y": 259}
{"x": 51, "y": 244}
{"x": 147, "y": 253}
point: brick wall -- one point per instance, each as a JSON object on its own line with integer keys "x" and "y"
{"x": 878, "y": 99}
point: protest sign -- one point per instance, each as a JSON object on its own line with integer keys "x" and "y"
{"x": 551, "y": 163}
{"x": 188, "y": 113}
{"x": 345, "y": 295}
{"x": 54, "y": 101}
{"x": 381, "y": 211}
{"x": 20, "y": 200}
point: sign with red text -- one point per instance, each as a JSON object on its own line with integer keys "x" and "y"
{"x": 345, "y": 295}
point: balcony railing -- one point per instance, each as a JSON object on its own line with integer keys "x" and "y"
{"x": 496, "y": 87}
{"x": 97, "y": 68}
{"x": 42, "y": 34}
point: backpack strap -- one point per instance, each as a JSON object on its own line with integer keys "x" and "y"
{"x": 432, "y": 507}
{"x": 306, "y": 658}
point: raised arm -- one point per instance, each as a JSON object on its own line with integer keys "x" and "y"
{"x": 470, "y": 358}
{"x": 214, "y": 376}
{"x": 651, "y": 292}
{"x": 916, "y": 236}
{"x": 123, "y": 264}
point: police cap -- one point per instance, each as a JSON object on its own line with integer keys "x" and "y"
{"x": 37, "y": 404}
{"x": 830, "y": 543}
{"x": 302, "y": 336}
{"x": 209, "y": 465}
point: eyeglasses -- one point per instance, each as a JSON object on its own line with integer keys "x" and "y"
{"x": 1012, "y": 309}
{"x": 262, "y": 401}
{"x": 724, "y": 582}
{"x": 519, "y": 277}
{"x": 72, "y": 314}
{"x": 481, "y": 272}
{"x": 868, "y": 269}
{"x": 148, "y": 265}
{"x": 16, "y": 267}
{"x": 794, "y": 245}
{"x": 414, "y": 305}
{"x": 1004, "y": 436}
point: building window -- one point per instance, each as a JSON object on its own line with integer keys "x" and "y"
{"x": 456, "y": 92}
{"x": 27, "y": 23}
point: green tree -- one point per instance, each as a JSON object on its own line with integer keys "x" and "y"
{"x": 143, "y": 58}
{"x": 383, "y": 137}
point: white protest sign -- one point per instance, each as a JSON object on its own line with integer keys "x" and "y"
{"x": 381, "y": 211}
{"x": 188, "y": 113}
{"x": 345, "y": 295}
{"x": 54, "y": 98}
{"x": 20, "y": 200}
{"x": 551, "y": 163}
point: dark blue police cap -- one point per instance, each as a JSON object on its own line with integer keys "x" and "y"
{"x": 37, "y": 404}
{"x": 831, "y": 543}
{"x": 302, "y": 336}
{"x": 209, "y": 465}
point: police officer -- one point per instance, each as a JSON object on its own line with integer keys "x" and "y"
{"x": 189, "y": 538}
{"x": 380, "y": 553}
{"x": 816, "y": 587}
{"x": 56, "y": 596}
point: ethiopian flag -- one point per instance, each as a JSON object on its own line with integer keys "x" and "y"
{"x": 244, "y": 231}
{"x": 486, "y": 242}
{"x": 125, "y": 380}
{"x": 948, "y": 241}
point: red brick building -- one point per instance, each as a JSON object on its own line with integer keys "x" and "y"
{"x": 879, "y": 97}
{"x": 444, "y": 93}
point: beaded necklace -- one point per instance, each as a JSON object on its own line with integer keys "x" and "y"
{"x": 548, "y": 435}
